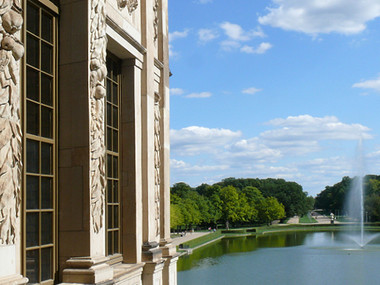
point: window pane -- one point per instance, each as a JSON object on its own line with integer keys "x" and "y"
{"x": 110, "y": 224}
{"x": 32, "y": 84}
{"x": 32, "y": 229}
{"x": 32, "y": 265}
{"x": 109, "y": 114}
{"x": 115, "y": 141}
{"x": 46, "y": 263}
{"x": 114, "y": 93}
{"x": 115, "y": 216}
{"x": 109, "y": 191}
{"x": 32, "y": 192}
{"x": 109, "y": 89}
{"x": 116, "y": 191}
{"x": 115, "y": 167}
{"x": 46, "y": 90}
{"x": 46, "y": 58}
{"x": 46, "y": 158}
{"x": 46, "y": 193}
{"x": 32, "y": 50}
{"x": 33, "y": 17}
{"x": 47, "y": 27}
{"x": 32, "y": 116}
{"x": 32, "y": 156}
{"x": 46, "y": 230}
{"x": 115, "y": 119}
{"x": 116, "y": 241}
{"x": 109, "y": 165}
{"x": 109, "y": 138}
{"x": 46, "y": 122}
{"x": 110, "y": 243}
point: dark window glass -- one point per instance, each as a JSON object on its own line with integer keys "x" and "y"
{"x": 115, "y": 191}
{"x": 32, "y": 229}
{"x": 110, "y": 251}
{"x": 46, "y": 158}
{"x": 46, "y": 122}
{"x": 109, "y": 89}
{"x": 115, "y": 115}
{"x": 115, "y": 141}
{"x": 109, "y": 190}
{"x": 46, "y": 58}
{"x": 32, "y": 50}
{"x": 109, "y": 114}
{"x": 33, "y": 118}
{"x": 116, "y": 241}
{"x": 110, "y": 224}
{"x": 109, "y": 165}
{"x": 32, "y": 266}
{"x": 114, "y": 93}
{"x": 46, "y": 193}
{"x": 46, "y": 90}
{"x": 115, "y": 167}
{"x": 32, "y": 156}
{"x": 32, "y": 84}
{"x": 115, "y": 216}
{"x": 109, "y": 138}
{"x": 46, "y": 263}
{"x": 32, "y": 192}
{"x": 47, "y": 227}
{"x": 47, "y": 27}
{"x": 33, "y": 19}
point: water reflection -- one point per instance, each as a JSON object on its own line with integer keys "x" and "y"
{"x": 286, "y": 258}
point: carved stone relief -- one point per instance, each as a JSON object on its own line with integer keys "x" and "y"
{"x": 156, "y": 19}
{"x": 98, "y": 73}
{"x": 130, "y": 4}
{"x": 11, "y": 50}
{"x": 157, "y": 161}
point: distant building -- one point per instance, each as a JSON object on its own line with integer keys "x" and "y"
{"x": 84, "y": 143}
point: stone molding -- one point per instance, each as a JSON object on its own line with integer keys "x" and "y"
{"x": 130, "y": 4}
{"x": 98, "y": 73}
{"x": 157, "y": 161}
{"x": 156, "y": 19}
{"x": 11, "y": 50}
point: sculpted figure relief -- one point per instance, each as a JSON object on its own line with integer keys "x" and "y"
{"x": 130, "y": 4}
{"x": 157, "y": 160}
{"x": 98, "y": 73}
{"x": 11, "y": 50}
{"x": 156, "y": 19}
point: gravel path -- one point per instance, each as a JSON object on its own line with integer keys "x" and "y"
{"x": 189, "y": 236}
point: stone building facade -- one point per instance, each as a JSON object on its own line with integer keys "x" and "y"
{"x": 84, "y": 142}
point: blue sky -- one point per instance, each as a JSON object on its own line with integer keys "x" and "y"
{"x": 274, "y": 88}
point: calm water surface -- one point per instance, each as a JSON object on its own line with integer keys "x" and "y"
{"x": 287, "y": 258}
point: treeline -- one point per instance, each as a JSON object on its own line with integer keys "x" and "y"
{"x": 333, "y": 198}
{"x": 237, "y": 202}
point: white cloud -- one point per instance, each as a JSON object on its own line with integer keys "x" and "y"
{"x": 251, "y": 90}
{"x": 206, "y": 35}
{"x": 236, "y": 32}
{"x": 262, "y": 48}
{"x": 199, "y": 95}
{"x": 182, "y": 166}
{"x": 178, "y": 35}
{"x": 369, "y": 84}
{"x": 195, "y": 140}
{"x": 321, "y": 16}
{"x": 176, "y": 91}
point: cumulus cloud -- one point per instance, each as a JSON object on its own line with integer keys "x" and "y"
{"x": 206, "y": 35}
{"x": 369, "y": 84}
{"x": 236, "y": 33}
{"x": 195, "y": 140}
{"x": 262, "y": 48}
{"x": 251, "y": 90}
{"x": 321, "y": 16}
{"x": 176, "y": 91}
{"x": 182, "y": 166}
{"x": 199, "y": 95}
{"x": 178, "y": 35}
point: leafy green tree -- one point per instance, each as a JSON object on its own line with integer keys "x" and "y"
{"x": 176, "y": 217}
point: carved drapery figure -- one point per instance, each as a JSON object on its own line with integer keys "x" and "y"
{"x": 130, "y": 4}
{"x": 11, "y": 50}
{"x": 98, "y": 73}
{"x": 157, "y": 160}
{"x": 156, "y": 19}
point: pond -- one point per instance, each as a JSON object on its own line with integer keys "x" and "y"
{"x": 283, "y": 258}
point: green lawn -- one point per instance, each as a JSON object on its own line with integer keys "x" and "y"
{"x": 307, "y": 219}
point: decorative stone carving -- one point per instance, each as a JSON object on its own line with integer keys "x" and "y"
{"x": 130, "y": 4}
{"x": 156, "y": 19}
{"x": 98, "y": 73}
{"x": 11, "y": 50}
{"x": 157, "y": 160}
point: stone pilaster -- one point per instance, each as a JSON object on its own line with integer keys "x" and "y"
{"x": 81, "y": 142}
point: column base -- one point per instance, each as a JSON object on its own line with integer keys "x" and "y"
{"x": 13, "y": 280}
{"x": 87, "y": 270}
{"x": 151, "y": 252}
{"x": 152, "y": 274}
